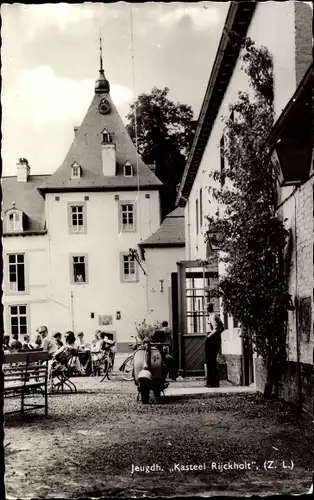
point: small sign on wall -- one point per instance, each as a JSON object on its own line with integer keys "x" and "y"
{"x": 105, "y": 319}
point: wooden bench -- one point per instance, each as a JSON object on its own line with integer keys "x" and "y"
{"x": 26, "y": 374}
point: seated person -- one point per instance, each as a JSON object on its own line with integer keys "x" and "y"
{"x": 38, "y": 344}
{"x": 96, "y": 342}
{"x": 84, "y": 354}
{"x": 80, "y": 337}
{"x": 6, "y": 344}
{"x": 108, "y": 344}
{"x": 27, "y": 346}
{"x": 58, "y": 341}
{"x": 16, "y": 344}
{"x": 64, "y": 355}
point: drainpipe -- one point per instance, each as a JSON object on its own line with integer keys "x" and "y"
{"x": 72, "y": 312}
{"x": 298, "y": 374}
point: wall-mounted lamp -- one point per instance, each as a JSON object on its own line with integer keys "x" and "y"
{"x": 161, "y": 285}
{"x": 118, "y": 315}
{"x": 92, "y": 315}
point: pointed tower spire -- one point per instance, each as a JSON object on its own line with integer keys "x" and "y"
{"x": 101, "y": 85}
{"x": 100, "y": 55}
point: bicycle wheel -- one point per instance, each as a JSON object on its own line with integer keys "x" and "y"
{"x": 110, "y": 368}
{"x": 127, "y": 372}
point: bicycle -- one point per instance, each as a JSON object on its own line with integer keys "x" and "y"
{"x": 108, "y": 362}
{"x": 127, "y": 369}
{"x": 127, "y": 366}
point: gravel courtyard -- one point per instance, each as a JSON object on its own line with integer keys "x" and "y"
{"x": 90, "y": 440}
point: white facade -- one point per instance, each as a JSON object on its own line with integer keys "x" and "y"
{"x": 102, "y": 244}
{"x": 159, "y": 264}
{"x": 36, "y": 294}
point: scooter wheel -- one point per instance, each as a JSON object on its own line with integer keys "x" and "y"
{"x": 144, "y": 390}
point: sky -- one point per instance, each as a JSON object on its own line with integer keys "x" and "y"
{"x": 50, "y": 60}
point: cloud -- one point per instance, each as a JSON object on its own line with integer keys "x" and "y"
{"x": 37, "y": 18}
{"x": 202, "y": 15}
{"x": 42, "y": 97}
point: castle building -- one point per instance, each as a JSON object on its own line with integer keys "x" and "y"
{"x": 67, "y": 235}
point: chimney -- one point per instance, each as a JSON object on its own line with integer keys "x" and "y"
{"x": 75, "y": 130}
{"x": 23, "y": 170}
{"x": 108, "y": 155}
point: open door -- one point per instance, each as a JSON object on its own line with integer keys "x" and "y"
{"x": 194, "y": 279}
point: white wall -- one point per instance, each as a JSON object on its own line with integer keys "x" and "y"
{"x": 104, "y": 294}
{"x": 36, "y": 296}
{"x": 159, "y": 264}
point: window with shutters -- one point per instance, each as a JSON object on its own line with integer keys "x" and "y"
{"x": 16, "y": 273}
{"x": 18, "y": 319}
{"x": 79, "y": 272}
{"x": 127, "y": 217}
{"x": 128, "y": 268}
{"x": 77, "y": 218}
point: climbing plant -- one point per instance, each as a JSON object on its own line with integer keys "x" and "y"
{"x": 250, "y": 235}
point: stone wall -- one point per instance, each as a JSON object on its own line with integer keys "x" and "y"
{"x": 288, "y": 386}
{"x": 234, "y": 368}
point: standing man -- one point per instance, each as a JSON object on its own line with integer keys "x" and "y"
{"x": 168, "y": 334}
{"x": 49, "y": 343}
{"x": 212, "y": 346}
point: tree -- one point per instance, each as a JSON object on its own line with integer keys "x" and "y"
{"x": 164, "y": 133}
{"x": 254, "y": 289}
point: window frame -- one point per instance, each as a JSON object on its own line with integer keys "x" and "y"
{"x": 129, "y": 165}
{"x": 26, "y": 315}
{"x": 71, "y": 261}
{"x": 122, "y": 273}
{"x": 75, "y": 167}
{"x": 107, "y": 135}
{"x": 18, "y": 227}
{"x": 7, "y": 287}
{"x": 121, "y": 228}
{"x": 71, "y": 205}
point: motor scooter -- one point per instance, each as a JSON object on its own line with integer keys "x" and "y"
{"x": 150, "y": 371}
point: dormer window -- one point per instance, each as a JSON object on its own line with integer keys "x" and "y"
{"x": 75, "y": 171}
{"x": 14, "y": 220}
{"x": 106, "y": 137}
{"x": 128, "y": 170}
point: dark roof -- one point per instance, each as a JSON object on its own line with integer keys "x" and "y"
{"x": 86, "y": 151}
{"x": 238, "y": 20}
{"x": 170, "y": 233}
{"x": 27, "y": 198}
{"x": 291, "y": 135}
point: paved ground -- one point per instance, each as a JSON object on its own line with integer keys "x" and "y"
{"x": 91, "y": 442}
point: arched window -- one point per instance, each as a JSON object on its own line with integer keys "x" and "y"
{"x": 106, "y": 137}
{"x": 14, "y": 220}
{"x": 128, "y": 169}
